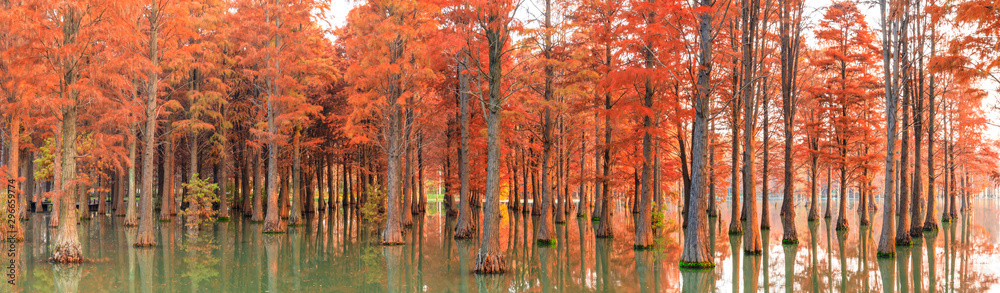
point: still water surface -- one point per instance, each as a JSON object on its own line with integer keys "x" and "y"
{"x": 336, "y": 252}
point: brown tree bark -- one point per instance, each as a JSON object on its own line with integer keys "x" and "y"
{"x": 15, "y": 232}
{"x": 903, "y": 223}
{"x": 887, "y": 245}
{"x": 131, "y": 218}
{"x": 295, "y": 217}
{"x": 167, "y": 200}
{"x": 258, "y": 188}
{"x": 490, "y": 259}
{"x": 605, "y": 228}
{"x": 644, "y": 224}
{"x": 546, "y": 231}
{"x": 930, "y": 222}
{"x": 790, "y": 31}
{"x": 465, "y": 228}
{"x": 695, "y": 253}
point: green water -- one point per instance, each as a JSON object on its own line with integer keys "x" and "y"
{"x": 335, "y": 252}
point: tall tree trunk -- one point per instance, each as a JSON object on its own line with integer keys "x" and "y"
{"x": 490, "y": 259}
{"x": 916, "y": 215}
{"x": 713, "y": 208}
{"x": 790, "y": 27}
{"x": 903, "y": 218}
{"x": 295, "y": 218}
{"x": 930, "y": 222}
{"x": 736, "y": 223}
{"x": 466, "y": 227}
{"x": 696, "y": 251}
{"x": 131, "y": 219}
{"x": 546, "y": 230}
{"x": 751, "y": 239}
{"x": 223, "y": 178}
{"x": 560, "y": 211}
{"x": 408, "y": 189}
{"x": 887, "y": 245}
{"x": 57, "y": 178}
{"x": 605, "y": 229}
{"x": 765, "y": 191}
{"x": 331, "y": 185}
{"x": 598, "y": 182}
{"x": 15, "y": 233}
{"x": 583, "y": 206}
{"x": 258, "y": 188}
{"x": 422, "y": 205}
{"x": 67, "y": 246}
{"x": 644, "y": 225}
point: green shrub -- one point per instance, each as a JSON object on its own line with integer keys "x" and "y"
{"x": 201, "y": 196}
{"x": 372, "y": 210}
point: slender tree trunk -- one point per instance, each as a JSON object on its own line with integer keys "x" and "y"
{"x": 930, "y": 222}
{"x": 223, "y": 180}
{"x": 598, "y": 182}
{"x": 560, "y": 212}
{"x": 605, "y": 228}
{"x": 751, "y": 239}
{"x": 15, "y": 233}
{"x": 903, "y": 224}
{"x": 765, "y": 191}
{"x": 916, "y": 215}
{"x": 465, "y": 228}
{"x": 644, "y": 225}
{"x": 258, "y": 188}
{"x": 408, "y": 189}
{"x": 295, "y": 218}
{"x": 583, "y": 206}
{"x": 131, "y": 219}
{"x": 887, "y": 245}
{"x": 696, "y": 249}
{"x": 331, "y": 185}
{"x": 735, "y": 224}
{"x": 790, "y": 27}
{"x": 546, "y": 230}
{"x": 713, "y": 209}
{"x": 57, "y": 180}
{"x": 490, "y": 259}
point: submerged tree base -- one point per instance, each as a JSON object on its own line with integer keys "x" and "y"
{"x": 465, "y": 234}
{"x": 545, "y": 242}
{"x": 753, "y": 252}
{"x": 490, "y": 264}
{"x": 906, "y": 243}
{"x": 222, "y": 219}
{"x": 696, "y": 265}
{"x": 595, "y": 219}
{"x": 643, "y": 247}
{"x": 842, "y": 225}
{"x": 144, "y": 244}
{"x": 789, "y": 241}
{"x": 930, "y": 227}
{"x": 885, "y": 255}
{"x": 67, "y": 254}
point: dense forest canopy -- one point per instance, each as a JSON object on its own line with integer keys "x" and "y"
{"x": 214, "y": 109}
